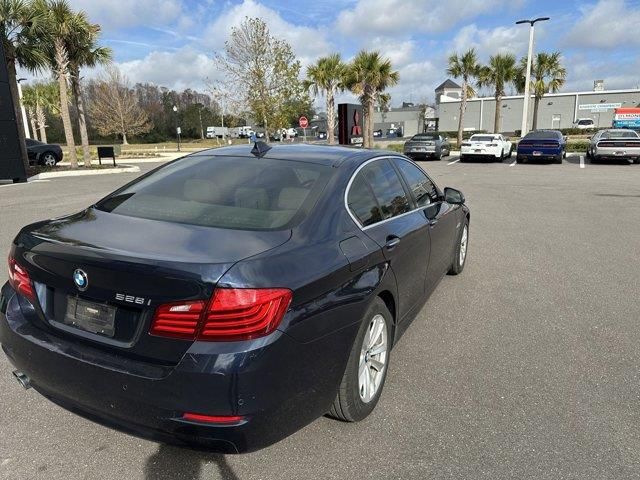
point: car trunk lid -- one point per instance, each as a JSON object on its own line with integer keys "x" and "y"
{"x": 131, "y": 265}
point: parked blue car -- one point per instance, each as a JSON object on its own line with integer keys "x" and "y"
{"x": 542, "y": 145}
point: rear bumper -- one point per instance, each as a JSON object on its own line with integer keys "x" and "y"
{"x": 276, "y": 383}
{"x": 621, "y": 153}
{"x": 542, "y": 156}
{"x": 419, "y": 155}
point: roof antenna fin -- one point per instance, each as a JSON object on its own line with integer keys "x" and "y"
{"x": 260, "y": 148}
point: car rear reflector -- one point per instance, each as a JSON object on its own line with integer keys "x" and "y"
{"x": 232, "y": 314}
{"x": 219, "y": 419}
{"x": 20, "y": 281}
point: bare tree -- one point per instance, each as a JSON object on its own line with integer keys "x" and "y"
{"x": 114, "y": 107}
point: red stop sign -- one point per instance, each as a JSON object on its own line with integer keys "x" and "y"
{"x": 303, "y": 122}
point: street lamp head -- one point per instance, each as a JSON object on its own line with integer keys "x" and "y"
{"x": 532, "y": 22}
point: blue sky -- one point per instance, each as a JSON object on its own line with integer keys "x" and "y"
{"x": 171, "y": 42}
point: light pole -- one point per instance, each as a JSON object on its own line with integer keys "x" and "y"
{"x": 24, "y": 111}
{"x": 525, "y": 106}
{"x": 175, "y": 111}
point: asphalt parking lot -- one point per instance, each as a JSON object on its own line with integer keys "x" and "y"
{"x": 525, "y": 366}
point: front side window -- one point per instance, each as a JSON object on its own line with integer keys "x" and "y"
{"x": 424, "y": 191}
{"x": 377, "y": 194}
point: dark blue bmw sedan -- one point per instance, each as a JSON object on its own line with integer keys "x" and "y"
{"x": 228, "y": 298}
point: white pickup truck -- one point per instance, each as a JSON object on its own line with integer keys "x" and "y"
{"x": 491, "y": 146}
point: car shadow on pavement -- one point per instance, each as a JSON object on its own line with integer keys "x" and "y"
{"x": 174, "y": 462}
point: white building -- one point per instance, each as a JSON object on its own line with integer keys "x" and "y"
{"x": 556, "y": 110}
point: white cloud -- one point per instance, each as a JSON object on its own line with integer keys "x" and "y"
{"x": 583, "y": 69}
{"x": 388, "y": 17}
{"x": 183, "y": 68}
{"x": 488, "y": 42}
{"x": 127, "y": 13}
{"x": 607, "y": 24}
{"x": 308, "y": 43}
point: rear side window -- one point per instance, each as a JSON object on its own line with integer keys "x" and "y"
{"x": 424, "y": 191}
{"x": 226, "y": 192}
{"x": 377, "y": 182}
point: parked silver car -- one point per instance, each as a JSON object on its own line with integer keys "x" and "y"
{"x": 427, "y": 145}
{"x": 612, "y": 143}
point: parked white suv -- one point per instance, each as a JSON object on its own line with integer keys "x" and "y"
{"x": 490, "y": 146}
{"x": 585, "y": 124}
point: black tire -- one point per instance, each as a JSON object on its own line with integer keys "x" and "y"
{"x": 348, "y": 406}
{"x": 501, "y": 159}
{"x": 463, "y": 159}
{"x": 558, "y": 159}
{"x": 595, "y": 159}
{"x": 510, "y": 152}
{"x": 519, "y": 159}
{"x": 564, "y": 153}
{"x": 636, "y": 161}
{"x": 456, "y": 265}
{"x": 46, "y": 158}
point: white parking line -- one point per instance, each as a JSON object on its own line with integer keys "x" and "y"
{"x": 455, "y": 161}
{"x": 581, "y": 161}
{"x": 513, "y": 163}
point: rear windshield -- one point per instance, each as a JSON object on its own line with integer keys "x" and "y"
{"x": 585, "y": 122}
{"x": 225, "y": 192}
{"x": 543, "y": 134}
{"x": 482, "y": 138}
{"x": 619, "y": 134}
{"x": 425, "y": 136}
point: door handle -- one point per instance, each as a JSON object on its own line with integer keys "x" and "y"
{"x": 392, "y": 242}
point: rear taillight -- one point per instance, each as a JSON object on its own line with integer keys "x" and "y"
{"x": 20, "y": 281}
{"x": 231, "y": 314}
{"x": 493, "y": 144}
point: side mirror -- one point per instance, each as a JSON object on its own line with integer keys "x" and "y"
{"x": 453, "y": 196}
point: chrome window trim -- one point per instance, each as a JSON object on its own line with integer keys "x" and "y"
{"x": 353, "y": 176}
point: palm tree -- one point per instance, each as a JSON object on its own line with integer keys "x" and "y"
{"x": 62, "y": 24}
{"x": 547, "y": 76}
{"x": 20, "y": 28}
{"x": 83, "y": 51}
{"x": 368, "y": 76}
{"x": 40, "y": 99}
{"x": 500, "y": 72}
{"x": 326, "y": 77}
{"x": 464, "y": 66}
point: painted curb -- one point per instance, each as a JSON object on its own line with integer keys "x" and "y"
{"x": 82, "y": 172}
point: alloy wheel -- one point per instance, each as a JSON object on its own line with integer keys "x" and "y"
{"x": 463, "y": 244}
{"x": 49, "y": 160}
{"x": 373, "y": 358}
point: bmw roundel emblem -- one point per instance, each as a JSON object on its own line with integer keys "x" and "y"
{"x": 80, "y": 279}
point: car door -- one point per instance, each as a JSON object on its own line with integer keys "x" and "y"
{"x": 441, "y": 218}
{"x": 379, "y": 202}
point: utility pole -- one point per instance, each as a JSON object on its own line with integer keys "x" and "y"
{"x": 527, "y": 85}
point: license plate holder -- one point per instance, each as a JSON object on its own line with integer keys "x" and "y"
{"x": 537, "y": 154}
{"x": 90, "y": 316}
{"x": 618, "y": 154}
